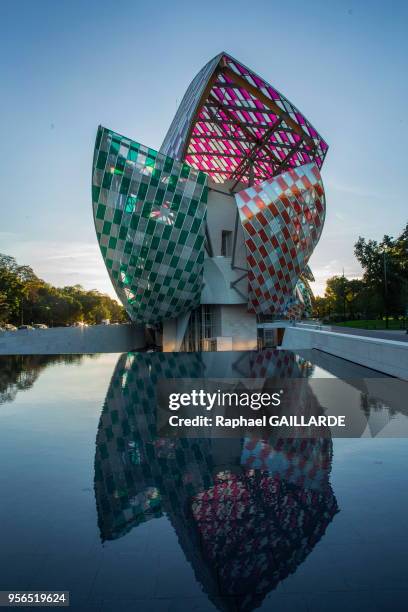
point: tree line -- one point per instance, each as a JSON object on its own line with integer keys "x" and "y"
{"x": 27, "y": 299}
{"x": 381, "y": 293}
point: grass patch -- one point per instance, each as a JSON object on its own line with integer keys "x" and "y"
{"x": 372, "y": 324}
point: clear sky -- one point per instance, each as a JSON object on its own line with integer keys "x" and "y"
{"x": 67, "y": 66}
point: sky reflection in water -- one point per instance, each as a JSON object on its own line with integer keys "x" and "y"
{"x": 221, "y": 524}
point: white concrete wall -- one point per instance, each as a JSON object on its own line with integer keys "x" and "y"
{"x": 237, "y": 323}
{"x": 221, "y": 213}
{"x": 388, "y": 356}
{"x": 173, "y": 332}
{"x": 66, "y": 340}
{"x": 218, "y": 276}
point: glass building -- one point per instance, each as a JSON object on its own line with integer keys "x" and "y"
{"x": 209, "y": 237}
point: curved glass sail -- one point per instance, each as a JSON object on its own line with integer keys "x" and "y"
{"x": 282, "y": 220}
{"x": 150, "y": 215}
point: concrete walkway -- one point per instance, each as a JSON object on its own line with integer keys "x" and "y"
{"x": 386, "y": 355}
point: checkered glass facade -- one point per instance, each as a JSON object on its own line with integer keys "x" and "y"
{"x": 234, "y": 125}
{"x": 282, "y": 219}
{"x": 150, "y": 214}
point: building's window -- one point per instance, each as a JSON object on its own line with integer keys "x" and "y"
{"x": 206, "y": 321}
{"x": 200, "y": 328}
{"x": 226, "y": 243}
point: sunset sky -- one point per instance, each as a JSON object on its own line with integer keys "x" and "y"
{"x": 67, "y": 67}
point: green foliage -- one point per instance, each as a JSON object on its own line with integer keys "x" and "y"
{"x": 25, "y": 297}
{"x": 383, "y": 290}
{"x": 373, "y": 324}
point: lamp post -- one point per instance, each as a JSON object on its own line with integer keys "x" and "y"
{"x": 385, "y": 287}
{"x": 344, "y": 296}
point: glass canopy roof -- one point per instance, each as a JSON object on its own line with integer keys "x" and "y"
{"x": 236, "y": 127}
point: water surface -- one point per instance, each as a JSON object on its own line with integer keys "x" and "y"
{"x": 94, "y": 502}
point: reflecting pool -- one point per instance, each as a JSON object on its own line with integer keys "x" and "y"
{"x": 95, "y": 502}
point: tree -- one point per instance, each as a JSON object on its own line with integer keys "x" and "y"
{"x": 343, "y": 299}
{"x": 385, "y": 266}
{"x": 13, "y": 291}
{"x": 320, "y": 307}
{"x": 25, "y": 296}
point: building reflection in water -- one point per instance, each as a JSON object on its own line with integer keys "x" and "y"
{"x": 246, "y": 512}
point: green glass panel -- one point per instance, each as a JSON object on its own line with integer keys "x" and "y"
{"x": 171, "y": 186}
{"x": 168, "y": 164}
{"x": 130, "y": 204}
{"x": 204, "y": 195}
{"x": 141, "y": 194}
{"x": 120, "y": 164}
{"x": 124, "y": 187}
{"x": 106, "y": 228}
{"x": 98, "y": 138}
{"x": 159, "y": 196}
{"x": 102, "y": 157}
{"x": 147, "y": 209}
{"x": 132, "y": 155}
{"x": 95, "y": 193}
{"x": 198, "y": 243}
{"x": 185, "y": 171}
{"x": 114, "y": 148}
{"x": 180, "y": 220}
{"x": 195, "y": 226}
{"x": 112, "y": 242}
{"x": 123, "y": 232}
{"x": 176, "y": 201}
{"x": 167, "y": 232}
{"x": 192, "y": 209}
{"x": 154, "y": 181}
{"x": 100, "y": 213}
{"x": 150, "y": 227}
{"x": 107, "y": 180}
{"x": 117, "y": 216}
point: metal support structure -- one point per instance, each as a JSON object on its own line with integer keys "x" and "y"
{"x": 234, "y": 248}
{"x": 208, "y": 243}
{"x": 237, "y": 280}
